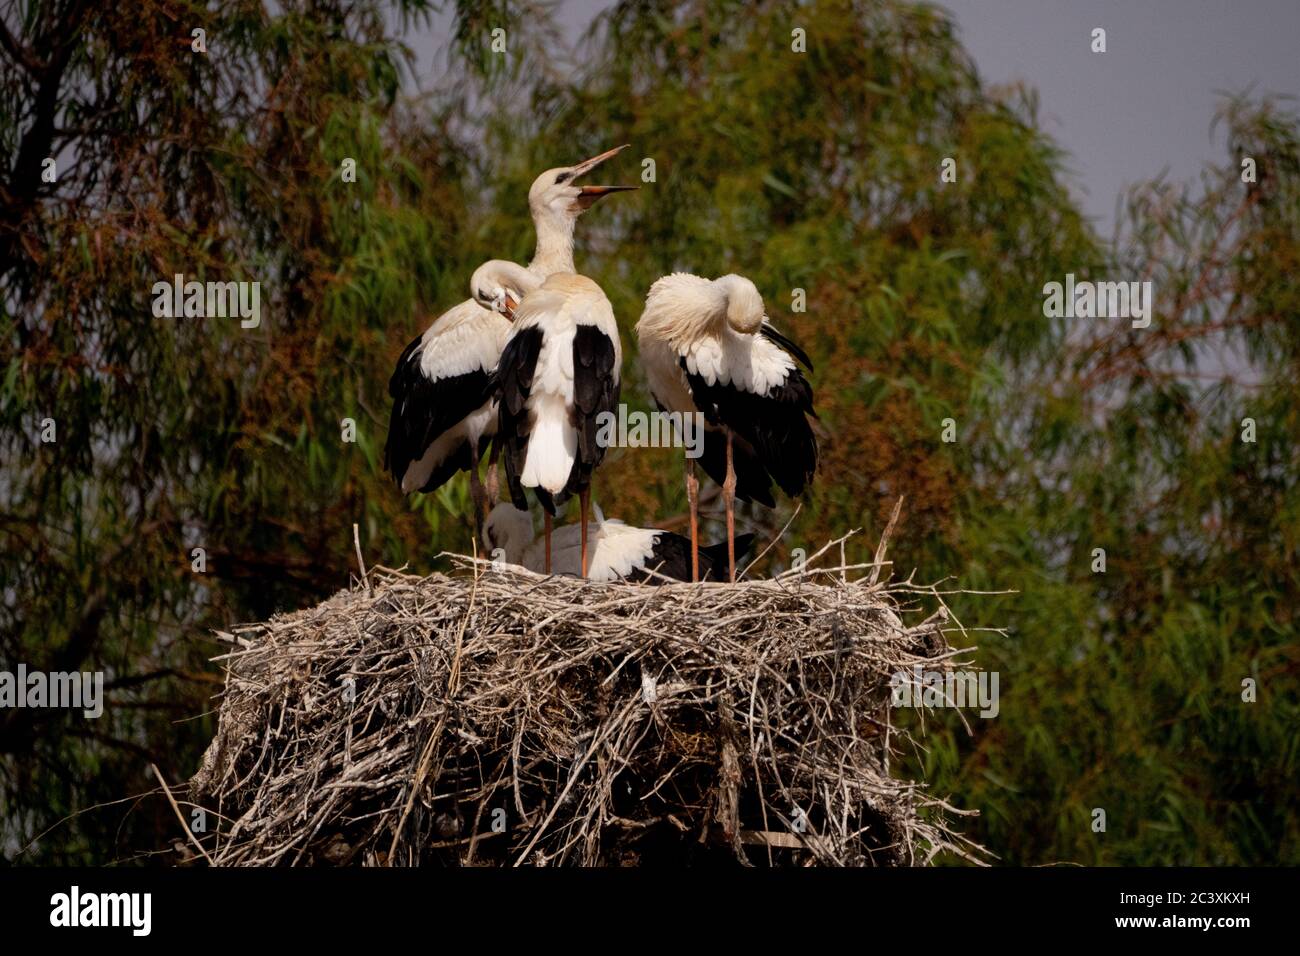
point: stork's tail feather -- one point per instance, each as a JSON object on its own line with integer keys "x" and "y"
{"x": 552, "y": 446}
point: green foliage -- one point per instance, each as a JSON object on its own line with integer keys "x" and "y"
{"x": 816, "y": 171}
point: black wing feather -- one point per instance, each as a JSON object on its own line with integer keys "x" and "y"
{"x": 713, "y": 558}
{"x": 514, "y": 377}
{"x": 753, "y": 483}
{"x": 752, "y": 480}
{"x": 671, "y": 558}
{"x": 595, "y": 392}
{"x": 424, "y": 409}
{"x": 769, "y": 332}
{"x": 774, "y": 425}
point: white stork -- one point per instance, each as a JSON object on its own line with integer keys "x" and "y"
{"x": 619, "y": 552}
{"x": 707, "y": 346}
{"x": 443, "y": 410}
{"x": 559, "y": 371}
{"x": 500, "y": 285}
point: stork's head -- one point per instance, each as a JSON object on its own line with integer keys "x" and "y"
{"x": 745, "y": 311}
{"x": 500, "y": 285}
{"x": 556, "y": 197}
{"x": 509, "y": 529}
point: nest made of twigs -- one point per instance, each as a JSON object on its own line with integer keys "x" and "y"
{"x": 494, "y": 717}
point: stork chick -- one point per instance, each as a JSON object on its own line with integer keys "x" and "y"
{"x": 619, "y": 552}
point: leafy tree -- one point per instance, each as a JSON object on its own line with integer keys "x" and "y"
{"x": 1124, "y": 689}
{"x": 177, "y": 434}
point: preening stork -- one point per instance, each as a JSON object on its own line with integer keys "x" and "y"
{"x": 559, "y": 371}
{"x": 500, "y": 285}
{"x": 444, "y": 413}
{"x": 618, "y": 552}
{"x": 706, "y": 345}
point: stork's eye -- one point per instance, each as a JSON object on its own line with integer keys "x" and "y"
{"x": 562, "y": 178}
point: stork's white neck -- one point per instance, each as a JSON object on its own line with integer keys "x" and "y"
{"x": 744, "y": 304}
{"x": 500, "y": 274}
{"x": 554, "y": 245}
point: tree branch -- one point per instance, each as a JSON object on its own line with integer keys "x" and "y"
{"x": 19, "y": 53}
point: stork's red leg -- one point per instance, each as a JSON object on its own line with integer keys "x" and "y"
{"x": 493, "y": 485}
{"x": 729, "y": 498}
{"x": 584, "y": 500}
{"x": 480, "y": 503}
{"x": 549, "y": 521}
{"x": 693, "y": 503}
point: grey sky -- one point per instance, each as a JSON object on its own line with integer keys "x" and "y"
{"x": 1143, "y": 106}
{"x": 1146, "y": 103}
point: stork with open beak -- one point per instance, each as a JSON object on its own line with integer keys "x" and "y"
{"x": 444, "y": 413}
{"x": 556, "y": 200}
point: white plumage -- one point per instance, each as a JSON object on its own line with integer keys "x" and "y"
{"x": 711, "y": 326}
{"x": 443, "y": 412}
{"x": 617, "y": 551}
{"x": 706, "y": 346}
{"x": 466, "y": 339}
{"x": 559, "y": 374}
{"x": 553, "y": 445}
{"x": 558, "y": 309}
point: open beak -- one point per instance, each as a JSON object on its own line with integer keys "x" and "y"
{"x": 587, "y": 165}
{"x": 587, "y": 195}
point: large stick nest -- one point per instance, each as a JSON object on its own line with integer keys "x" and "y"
{"x": 496, "y": 717}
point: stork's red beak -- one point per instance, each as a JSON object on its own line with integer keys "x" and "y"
{"x": 587, "y": 195}
{"x": 587, "y": 165}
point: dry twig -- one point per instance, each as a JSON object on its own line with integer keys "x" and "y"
{"x": 574, "y": 723}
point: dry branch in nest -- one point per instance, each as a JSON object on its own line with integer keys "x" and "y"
{"x": 498, "y": 717}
